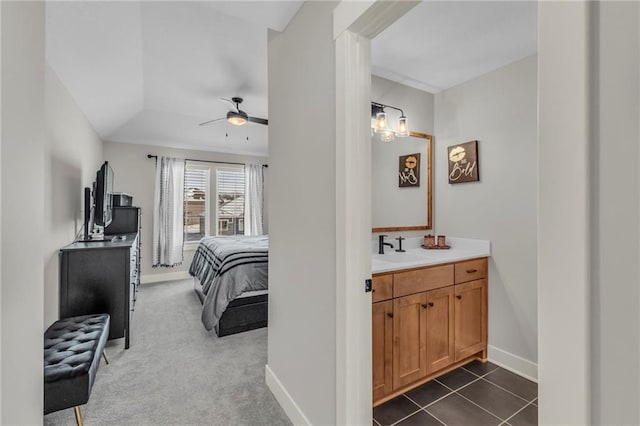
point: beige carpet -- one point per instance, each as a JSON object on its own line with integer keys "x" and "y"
{"x": 176, "y": 373}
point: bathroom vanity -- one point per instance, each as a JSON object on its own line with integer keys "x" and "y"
{"x": 429, "y": 313}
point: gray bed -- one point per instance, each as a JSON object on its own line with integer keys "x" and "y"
{"x": 231, "y": 280}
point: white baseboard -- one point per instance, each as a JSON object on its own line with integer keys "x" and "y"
{"x": 167, "y": 276}
{"x": 287, "y": 403}
{"x": 508, "y": 361}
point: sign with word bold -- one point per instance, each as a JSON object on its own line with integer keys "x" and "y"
{"x": 463, "y": 162}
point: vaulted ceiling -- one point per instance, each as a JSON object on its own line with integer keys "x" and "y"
{"x": 150, "y": 72}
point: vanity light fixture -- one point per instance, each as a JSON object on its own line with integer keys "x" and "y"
{"x": 380, "y": 122}
{"x": 380, "y": 125}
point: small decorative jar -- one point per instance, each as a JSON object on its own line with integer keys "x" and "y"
{"x": 442, "y": 241}
{"x": 429, "y": 240}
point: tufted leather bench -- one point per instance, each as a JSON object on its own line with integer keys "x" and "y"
{"x": 72, "y": 350}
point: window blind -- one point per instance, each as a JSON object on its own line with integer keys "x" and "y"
{"x": 195, "y": 180}
{"x": 230, "y": 193}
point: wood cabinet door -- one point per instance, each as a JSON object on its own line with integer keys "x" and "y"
{"x": 470, "y": 318}
{"x": 440, "y": 329}
{"x": 382, "y": 339}
{"x": 382, "y": 288}
{"x": 409, "y": 339}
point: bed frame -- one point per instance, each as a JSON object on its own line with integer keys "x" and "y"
{"x": 243, "y": 314}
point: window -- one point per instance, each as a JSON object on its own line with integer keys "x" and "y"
{"x": 230, "y": 184}
{"x": 196, "y": 211}
{"x": 214, "y": 195}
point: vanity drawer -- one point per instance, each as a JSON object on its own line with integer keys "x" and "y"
{"x": 382, "y": 288}
{"x": 471, "y": 270}
{"x": 422, "y": 280}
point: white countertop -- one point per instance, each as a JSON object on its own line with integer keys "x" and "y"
{"x": 415, "y": 256}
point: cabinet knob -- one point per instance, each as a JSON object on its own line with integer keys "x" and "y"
{"x": 430, "y": 304}
{"x": 424, "y": 306}
{"x": 471, "y": 271}
{"x": 458, "y": 297}
{"x": 390, "y": 315}
{"x": 373, "y": 290}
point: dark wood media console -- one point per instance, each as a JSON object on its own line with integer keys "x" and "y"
{"x": 103, "y": 276}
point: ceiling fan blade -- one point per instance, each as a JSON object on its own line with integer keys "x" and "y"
{"x": 259, "y": 120}
{"x": 206, "y": 123}
{"x": 233, "y": 105}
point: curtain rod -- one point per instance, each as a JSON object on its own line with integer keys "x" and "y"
{"x": 208, "y": 161}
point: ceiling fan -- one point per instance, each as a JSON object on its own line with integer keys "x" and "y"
{"x": 237, "y": 117}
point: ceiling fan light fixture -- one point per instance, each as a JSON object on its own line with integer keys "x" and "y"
{"x": 237, "y": 118}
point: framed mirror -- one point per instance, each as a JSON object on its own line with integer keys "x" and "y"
{"x": 402, "y": 183}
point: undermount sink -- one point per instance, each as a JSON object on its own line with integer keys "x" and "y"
{"x": 397, "y": 257}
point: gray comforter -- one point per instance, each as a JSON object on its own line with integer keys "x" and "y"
{"x": 227, "y": 267}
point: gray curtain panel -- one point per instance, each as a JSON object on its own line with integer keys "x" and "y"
{"x": 168, "y": 212}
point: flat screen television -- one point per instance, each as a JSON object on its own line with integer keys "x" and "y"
{"x": 102, "y": 196}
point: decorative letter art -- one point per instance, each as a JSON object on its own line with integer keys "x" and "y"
{"x": 409, "y": 171}
{"x": 463, "y": 163}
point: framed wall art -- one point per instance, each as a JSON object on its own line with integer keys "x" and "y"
{"x": 463, "y": 162}
{"x": 409, "y": 170}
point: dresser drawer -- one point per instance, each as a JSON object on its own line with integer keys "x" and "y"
{"x": 471, "y": 270}
{"x": 382, "y": 288}
{"x": 410, "y": 282}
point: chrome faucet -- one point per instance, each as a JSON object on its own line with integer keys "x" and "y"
{"x": 381, "y": 244}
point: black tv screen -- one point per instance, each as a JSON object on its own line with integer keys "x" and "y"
{"x": 102, "y": 195}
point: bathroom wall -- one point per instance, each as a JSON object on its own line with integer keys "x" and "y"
{"x": 499, "y": 110}
{"x": 417, "y": 106}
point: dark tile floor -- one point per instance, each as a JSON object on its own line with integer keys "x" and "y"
{"x": 473, "y": 395}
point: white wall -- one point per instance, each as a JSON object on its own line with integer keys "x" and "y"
{"x": 499, "y": 110}
{"x": 302, "y": 207}
{"x": 22, "y": 207}
{"x": 393, "y": 206}
{"x": 72, "y": 157}
{"x": 134, "y": 174}
{"x": 563, "y": 219}
{"x": 615, "y": 213}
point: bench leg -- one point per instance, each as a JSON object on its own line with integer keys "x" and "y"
{"x": 104, "y": 355}
{"x": 78, "y": 415}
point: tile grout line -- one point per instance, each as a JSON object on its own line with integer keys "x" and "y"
{"x": 434, "y": 416}
{"x": 468, "y": 371}
{"x": 479, "y": 374}
{"x": 425, "y": 408}
{"x": 459, "y": 394}
{"x": 507, "y": 390}
{"x": 412, "y": 413}
{"x": 516, "y": 413}
{"x": 481, "y": 407}
{"x": 461, "y": 387}
{"x": 432, "y": 402}
{"x": 405, "y": 417}
{"x": 375, "y": 421}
